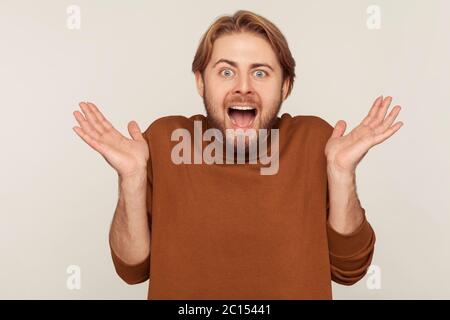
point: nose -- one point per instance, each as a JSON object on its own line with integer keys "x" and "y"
{"x": 243, "y": 86}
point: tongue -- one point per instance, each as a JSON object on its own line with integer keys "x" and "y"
{"x": 242, "y": 118}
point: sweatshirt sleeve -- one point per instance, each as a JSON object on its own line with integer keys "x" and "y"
{"x": 139, "y": 272}
{"x": 350, "y": 254}
{"x": 131, "y": 273}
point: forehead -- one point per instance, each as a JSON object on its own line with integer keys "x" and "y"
{"x": 244, "y": 48}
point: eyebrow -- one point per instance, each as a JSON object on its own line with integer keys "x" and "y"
{"x": 234, "y": 64}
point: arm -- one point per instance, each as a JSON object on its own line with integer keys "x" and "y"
{"x": 345, "y": 213}
{"x": 351, "y": 239}
{"x": 129, "y": 235}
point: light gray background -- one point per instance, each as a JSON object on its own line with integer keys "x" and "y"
{"x": 133, "y": 58}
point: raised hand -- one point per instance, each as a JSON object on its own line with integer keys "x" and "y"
{"x": 127, "y": 156}
{"x": 345, "y": 152}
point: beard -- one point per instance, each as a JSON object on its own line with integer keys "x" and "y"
{"x": 267, "y": 121}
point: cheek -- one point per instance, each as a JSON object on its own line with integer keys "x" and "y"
{"x": 217, "y": 92}
{"x": 270, "y": 94}
{"x": 216, "y": 97}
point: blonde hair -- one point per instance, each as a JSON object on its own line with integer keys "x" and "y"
{"x": 248, "y": 21}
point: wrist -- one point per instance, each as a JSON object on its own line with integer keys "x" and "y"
{"x": 138, "y": 171}
{"x": 340, "y": 176}
{"x": 135, "y": 178}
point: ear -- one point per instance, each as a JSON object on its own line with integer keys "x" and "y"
{"x": 199, "y": 82}
{"x": 285, "y": 88}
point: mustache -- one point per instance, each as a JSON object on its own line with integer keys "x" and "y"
{"x": 243, "y": 100}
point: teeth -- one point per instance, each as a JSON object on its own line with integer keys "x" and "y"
{"x": 242, "y": 108}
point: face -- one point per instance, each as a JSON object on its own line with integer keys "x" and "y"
{"x": 242, "y": 85}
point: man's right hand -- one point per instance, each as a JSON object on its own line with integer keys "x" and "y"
{"x": 127, "y": 156}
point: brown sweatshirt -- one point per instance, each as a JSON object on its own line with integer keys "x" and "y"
{"x": 225, "y": 231}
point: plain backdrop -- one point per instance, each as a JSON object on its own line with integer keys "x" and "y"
{"x": 133, "y": 59}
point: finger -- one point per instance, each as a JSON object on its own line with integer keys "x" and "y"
{"x": 91, "y": 118}
{"x": 373, "y": 110}
{"x": 382, "y": 110}
{"x": 101, "y": 118}
{"x": 389, "y": 120}
{"x": 339, "y": 129}
{"x": 135, "y": 131}
{"x": 88, "y": 139}
{"x": 85, "y": 125}
{"x": 389, "y": 132}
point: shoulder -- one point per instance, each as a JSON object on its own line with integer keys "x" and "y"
{"x": 315, "y": 125}
{"x": 167, "y": 124}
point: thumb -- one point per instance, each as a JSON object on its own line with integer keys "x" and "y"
{"x": 339, "y": 129}
{"x": 135, "y": 131}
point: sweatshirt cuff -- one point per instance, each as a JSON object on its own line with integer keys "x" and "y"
{"x": 348, "y": 245}
{"x": 131, "y": 273}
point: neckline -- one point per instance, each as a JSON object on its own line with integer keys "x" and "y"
{"x": 226, "y": 159}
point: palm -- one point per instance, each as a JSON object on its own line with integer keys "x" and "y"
{"x": 345, "y": 152}
{"x": 125, "y": 155}
{"x": 351, "y": 148}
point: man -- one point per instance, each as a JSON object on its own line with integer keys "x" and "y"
{"x": 218, "y": 230}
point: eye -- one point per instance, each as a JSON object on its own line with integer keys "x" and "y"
{"x": 260, "y": 73}
{"x": 227, "y": 73}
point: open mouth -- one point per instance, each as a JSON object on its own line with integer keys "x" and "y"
{"x": 242, "y": 116}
